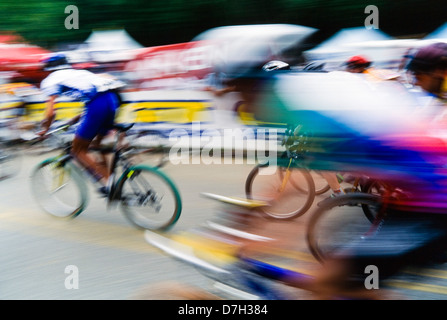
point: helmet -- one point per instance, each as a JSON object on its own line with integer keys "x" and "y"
{"x": 55, "y": 61}
{"x": 429, "y": 58}
{"x": 357, "y": 62}
{"x": 275, "y": 65}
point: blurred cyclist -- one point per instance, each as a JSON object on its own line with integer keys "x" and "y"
{"x": 357, "y": 64}
{"x": 330, "y": 177}
{"x": 414, "y": 231}
{"x": 361, "y": 64}
{"x": 101, "y": 102}
{"x": 428, "y": 67}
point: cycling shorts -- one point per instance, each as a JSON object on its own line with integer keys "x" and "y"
{"x": 99, "y": 116}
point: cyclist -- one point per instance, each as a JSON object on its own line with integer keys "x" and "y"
{"x": 101, "y": 101}
{"x": 330, "y": 177}
{"x": 357, "y": 64}
{"x": 428, "y": 67}
{"x": 414, "y": 232}
{"x": 361, "y": 64}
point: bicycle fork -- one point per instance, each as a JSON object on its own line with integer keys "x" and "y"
{"x": 58, "y": 176}
{"x": 286, "y": 177}
{"x": 149, "y": 197}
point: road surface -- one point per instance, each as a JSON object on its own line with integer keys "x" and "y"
{"x": 100, "y": 255}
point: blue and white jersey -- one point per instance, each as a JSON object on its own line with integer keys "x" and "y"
{"x": 76, "y": 84}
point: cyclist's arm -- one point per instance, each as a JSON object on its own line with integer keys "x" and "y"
{"x": 49, "y": 114}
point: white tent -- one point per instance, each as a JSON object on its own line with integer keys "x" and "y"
{"x": 111, "y": 40}
{"x": 105, "y": 46}
{"x": 240, "y": 46}
{"x": 439, "y": 34}
{"x": 352, "y": 41}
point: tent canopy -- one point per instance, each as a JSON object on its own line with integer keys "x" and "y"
{"x": 240, "y": 46}
{"x": 438, "y": 34}
{"x": 21, "y": 54}
{"x": 21, "y": 58}
{"x": 112, "y": 40}
{"x": 348, "y": 37}
{"x": 104, "y": 47}
{"x": 372, "y": 43}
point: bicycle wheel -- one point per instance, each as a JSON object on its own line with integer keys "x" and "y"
{"x": 149, "y": 147}
{"x": 152, "y": 156}
{"x": 321, "y": 185}
{"x": 59, "y": 189}
{"x": 374, "y": 187}
{"x": 338, "y": 222}
{"x": 149, "y": 199}
{"x": 273, "y": 184}
{"x": 10, "y": 162}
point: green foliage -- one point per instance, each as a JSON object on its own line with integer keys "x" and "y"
{"x": 159, "y": 22}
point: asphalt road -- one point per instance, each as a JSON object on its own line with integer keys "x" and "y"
{"x": 100, "y": 255}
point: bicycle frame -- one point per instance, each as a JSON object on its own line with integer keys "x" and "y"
{"x": 83, "y": 170}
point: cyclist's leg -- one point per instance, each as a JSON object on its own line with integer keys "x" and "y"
{"x": 80, "y": 151}
{"x": 111, "y": 105}
{"x": 96, "y": 123}
{"x": 332, "y": 180}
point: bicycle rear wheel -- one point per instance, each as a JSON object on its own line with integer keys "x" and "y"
{"x": 149, "y": 147}
{"x": 149, "y": 199}
{"x": 321, "y": 185}
{"x": 338, "y": 222}
{"x": 374, "y": 187}
{"x": 59, "y": 189}
{"x": 272, "y": 183}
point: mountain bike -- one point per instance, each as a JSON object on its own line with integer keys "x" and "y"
{"x": 290, "y": 185}
{"x": 288, "y": 200}
{"x": 287, "y": 184}
{"x": 147, "y": 196}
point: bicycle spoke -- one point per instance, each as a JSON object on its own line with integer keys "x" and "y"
{"x": 58, "y": 190}
{"x": 149, "y": 205}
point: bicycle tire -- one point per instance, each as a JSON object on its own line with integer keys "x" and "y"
{"x": 291, "y": 203}
{"x": 374, "y": 187}
{"x": 150, "y": 144}
{"x": 129, "y": 191}
{"x": 59, "y": 189}
{"x": 321, "y": 185}
{"x": 321, "y": 188}
{"x": 154, "y": 156}
{"x": 338, "y": 221}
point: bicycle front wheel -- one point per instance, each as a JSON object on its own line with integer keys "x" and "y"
{"x": 59, "y": 189}
{"x": 290, "y": 192}
{"x": 321, "y": 185}
{"x": 339, "y": 222}
{"x": 149, "y": 199}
